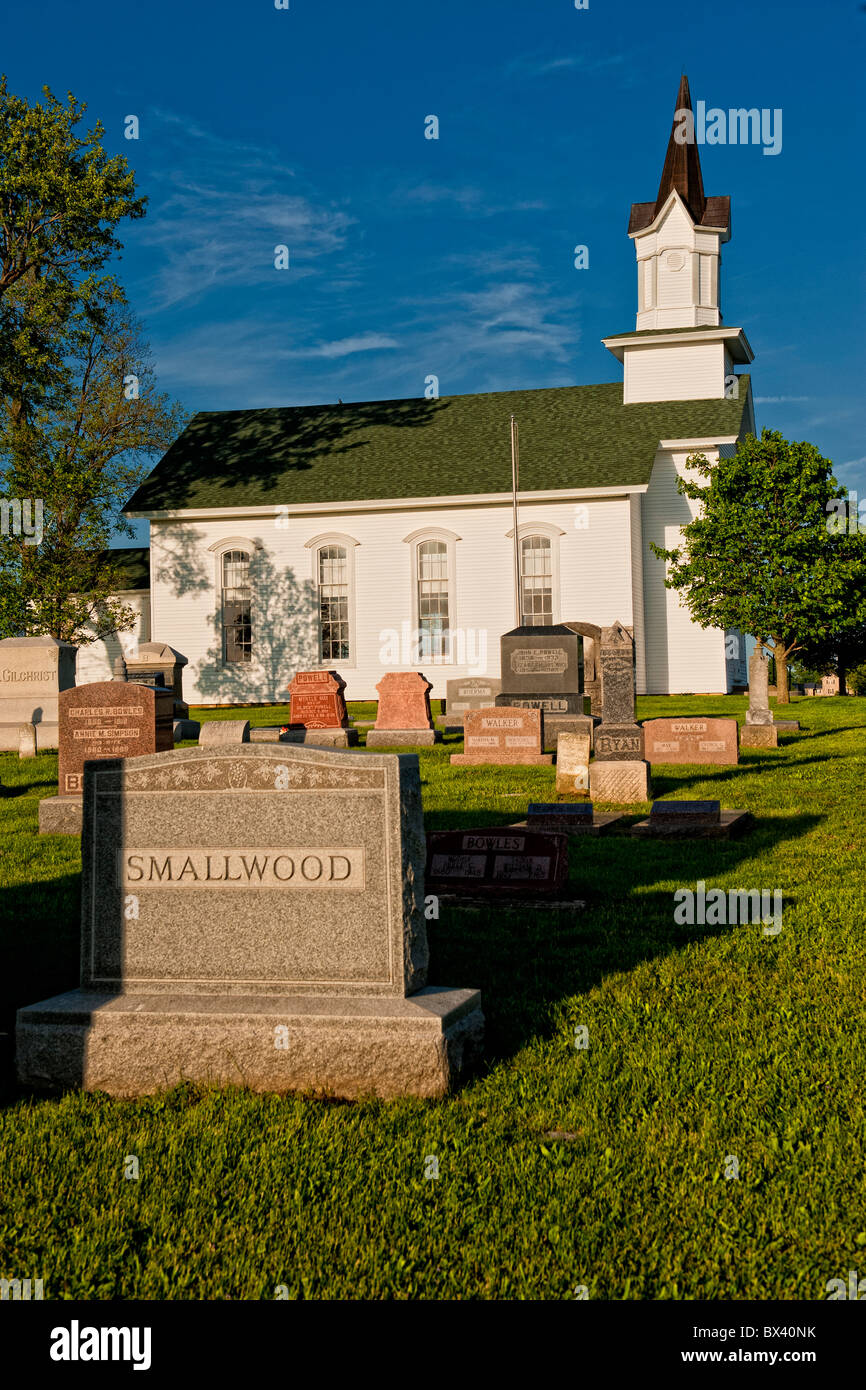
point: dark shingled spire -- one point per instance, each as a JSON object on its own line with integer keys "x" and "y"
{"x": 682, "y": 169}
{"x": 682, "y": 173}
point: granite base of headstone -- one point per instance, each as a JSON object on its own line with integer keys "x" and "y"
{"x": 317, "y": 738}
{"x": 278, "y": 940}
{"x": 33, "y": 672}
{"x": 101, "y": 721}
{"x": 403, "y": 719}
{"x": 466, "y": 693}
{"x": 502, "y": 735}
{"x": 577, "y": 818}
{"x": 620, "y": 783}
{"x": 699, "y": 820}
{"x": 217, "y": 733}
{"x": 759, "y": 736}
{"x": 691, "y": 741}
{"x": 787, "y": 726}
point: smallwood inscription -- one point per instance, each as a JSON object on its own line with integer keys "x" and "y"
{"x": 328, "y": 868}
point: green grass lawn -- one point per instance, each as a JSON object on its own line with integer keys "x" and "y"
{"x": 558, "y": 1167}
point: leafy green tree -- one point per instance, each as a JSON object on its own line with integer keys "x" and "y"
{"x": 842, "y": 651}
{"x": 759, "y": 556}
{"x": 78, "y": 457}
{"x": 61, "y": 200}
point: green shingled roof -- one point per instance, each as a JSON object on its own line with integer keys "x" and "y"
{"x": 134, "y": 565}
{"x": 570, "y": 437}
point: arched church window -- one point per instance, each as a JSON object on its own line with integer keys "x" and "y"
{"x": 333, "y": 585}
{"x": 433, "y": 600}
{"x": 236, "y": 606}
{"x": 536, "y": 581}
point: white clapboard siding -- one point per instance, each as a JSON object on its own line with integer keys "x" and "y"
{"x": 694, "y": 371}
{"x": 95, "y": 662}
{"x": 681, "y": 657}
{"x": 593, "y": 582}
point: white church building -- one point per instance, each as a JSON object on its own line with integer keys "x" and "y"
{"x": 378, "y": 535}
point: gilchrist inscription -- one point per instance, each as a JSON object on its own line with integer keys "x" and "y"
{"x": 328, "y": 868}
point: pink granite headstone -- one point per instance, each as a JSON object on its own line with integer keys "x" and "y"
{"x": 317, "y": 700}
{"x": 404, "y": 701}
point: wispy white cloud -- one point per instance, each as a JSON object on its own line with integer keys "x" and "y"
{"x": 781, "y": 400}
{"x": 219, "y": 226}
{"x": 345, "y": 347}
{"x": 474, "y": 201}
{"x": 539, "y": 64}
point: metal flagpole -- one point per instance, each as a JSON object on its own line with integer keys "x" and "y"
{"x": 515, "y": 468}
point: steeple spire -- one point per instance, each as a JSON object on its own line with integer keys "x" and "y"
{"x": 682, "y": 168}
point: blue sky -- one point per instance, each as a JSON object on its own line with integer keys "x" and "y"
{"x": 454, "y": 256}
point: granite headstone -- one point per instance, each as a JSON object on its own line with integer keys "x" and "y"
{"x": 502, "y": 734}
{"x": 691, "y": 741}
{"x": 403, "y": 717}
{"x": 33, "y": 672}
{"x": 253, "y": 915}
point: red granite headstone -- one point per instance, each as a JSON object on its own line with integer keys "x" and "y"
{"x": 496, "y": 860}
{"x": 690, "y": 741}
{"x": 404, "y": 701}
{"x": 109, "y": 719}
{"x": 502, "y": 734}
{"x": 317, "y": 700}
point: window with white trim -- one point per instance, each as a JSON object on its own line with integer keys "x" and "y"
{"x": 236, "y": 606}
{"x": 434, "y": 635}
{"x": 332, "y": 570}
{"x": 536, "y": 581}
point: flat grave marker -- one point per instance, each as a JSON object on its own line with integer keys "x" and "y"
{"x": 691, "y": 741}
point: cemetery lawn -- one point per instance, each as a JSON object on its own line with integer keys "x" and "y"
{"x": 711, "y": 1049}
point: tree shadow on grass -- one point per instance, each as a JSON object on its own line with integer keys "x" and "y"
{"x": 526, "y": 960}
{"x": 39, "y": 954}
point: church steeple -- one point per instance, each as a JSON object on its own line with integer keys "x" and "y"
{"x": 677, "y": 241}
{"x": 678, "y": 237}
{"x": 682, "y": 169}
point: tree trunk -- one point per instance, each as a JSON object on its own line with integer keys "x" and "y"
{"x": 780, "y": 653}
{"x": 843, "y": 687}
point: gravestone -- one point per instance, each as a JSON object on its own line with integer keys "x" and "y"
{"x": 502, "y": 735}
{"x": 403, "y": 717}
{"x": 569, "y": 818}
{"x": 759, "y": 689}
{"x": 33, "y": 672}
{"x": 158, "y": 664}
{"x": 103, "y": 720}
{"x": 253, "y": 915}
{"x": 496, "y": 862}
{"x": 318, "y": 710}
{"x": 572, "y": 765}
{"x": 620, "y": 774}
{"x": 217, "y": 733}
{"x": 702, "y": 820}
{"x": 691, "y": 741}
{"x": 542, "y": 668}
{"x": 27, "y": 740}
{"x": 759, "y": 736}
{"x": 468, "y": 692}
{"x": 620, "y": 783}
{"x": 591, "y": 669}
